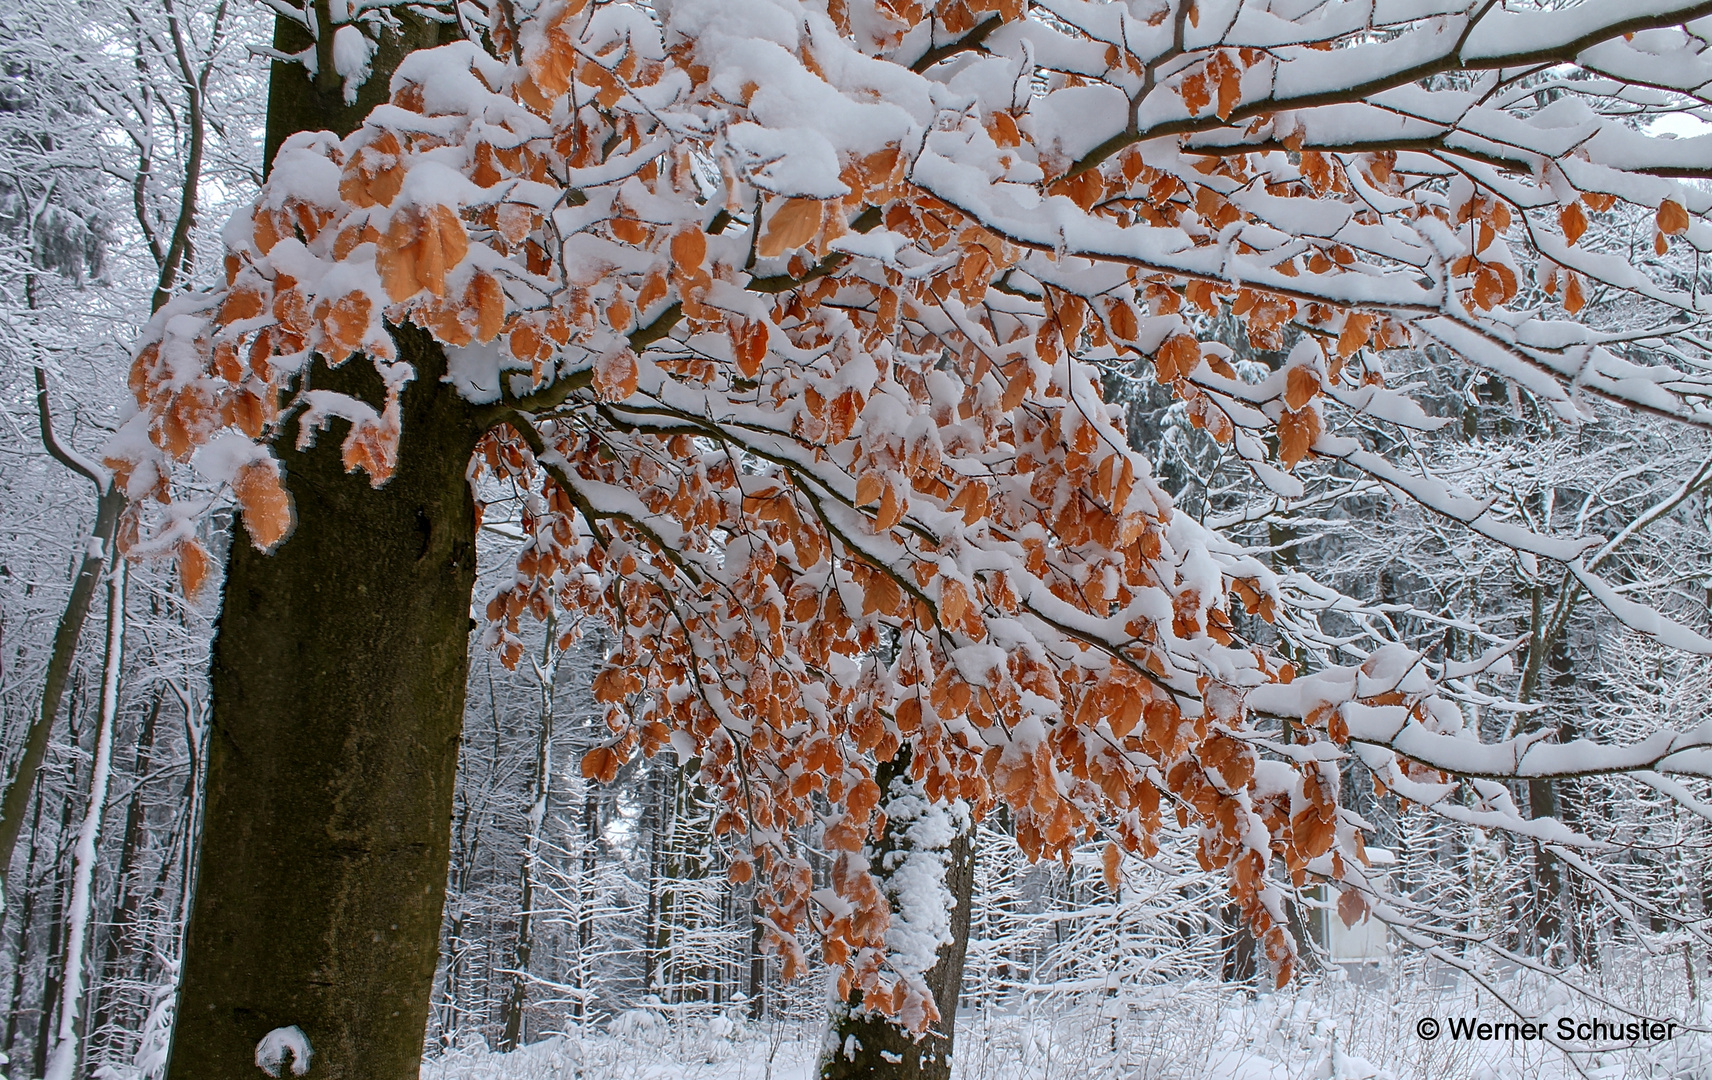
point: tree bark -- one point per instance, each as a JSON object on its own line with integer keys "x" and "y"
{"x": 757, "y": 962}
{"x": 338, "y": 689}
{"x": 298, "y": 103}
{"x": 21, "y": 953}
{"x": 126, "y": 895}
{"x": 881, "y": 1050}
{"x": 338, "y": 682}
{"x": 52, "y": 976}
{"x": 68, "y": 1041}
{"x": 513, "y": 1032}
{"x": 16, "y": 801}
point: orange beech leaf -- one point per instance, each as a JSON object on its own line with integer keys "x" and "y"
{"x": 1351, "y": 907}
{"x": 1111, "y": 861}
{"x": 487, "y": 299}
{"x": 1317, "y": 168}
{"x": 891, "y": 510}
{"x": 1123, "y": 321}
{"x": 630, "y": 230}
{"x": 1021, "y": 382}
{"x": 1573, "y": 222}
{"x": 689, "y": 248}
{"x": 1488, "y": 286}
{"x": 1672, "y": 218}
{"x": 1227, "y": 76}
{"x": 192, "y": 567}
{"x": 417, "y": 251}
{"x": 653, "y": 291}
{"x": 869, "y": 487}
{"x": 1204, "y": 295}
{"x": 1573, "y": 298}
{"x": 352, "y": 237}
{"x": 1297, "y": 432}
{"x": 619, "y": 315}
{"x": 344, "y": 325}
{"x": 242, "y": 303}
{"x": 265, "y": 503}
{"x": 880, "y": 594}
{"x": 598, "y": 762}
{"x": 226, "y": 362}
{"x": 1180, "y": 355}
{"x": 615, "y": 375}
{"x": 375, "y": 174}
{"x": 1195, "y": 94}
{"x": 249, "y": 413}
{"x": 1301, "y": 386}
{"x": 1357, "y": 329}
{"x": 372, "y": 446}
{"x": 266, "y": 230}
{"x": 750, "y": 340}
{"x": 793, "y": 223}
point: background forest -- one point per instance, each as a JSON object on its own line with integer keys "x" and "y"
{"x": 594, "y": 928}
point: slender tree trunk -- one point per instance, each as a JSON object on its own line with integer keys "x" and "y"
{"x": 22, "y": 952}
{"x": 52, "y": 977}
{"x": 338, "y": 692}
{"x": 867, "y": 1047}
{"x": 656, "y": 934}
{"x": 512, "y": 1034}
{"x": 585, "y": 899}
{"x": 757, "y": 961}
{"x": 16, "y": 801}
{"x": 1546, "y": 881}
{"x": 456, "y": 948}
{"x": 67, "y": 1051}
{"x": 119, "y": 949}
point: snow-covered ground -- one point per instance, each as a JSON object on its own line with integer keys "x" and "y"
{"x": 1361, "y": 1025}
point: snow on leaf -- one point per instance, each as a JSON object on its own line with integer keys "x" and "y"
{"x": 265, "y": 503}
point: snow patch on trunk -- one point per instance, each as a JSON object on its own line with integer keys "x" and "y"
{"x": 282, "y": 1043}
{"x": 915, "y": 876}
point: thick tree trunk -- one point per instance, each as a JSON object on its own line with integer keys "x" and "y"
{"x": 338, "y": 693}
{"x": 298, "y": 103}
{"x": 864, "y": 1047}
{"x": 338, "y": 689}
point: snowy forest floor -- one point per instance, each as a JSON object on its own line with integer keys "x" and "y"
{"x": 1347, "y": 1025}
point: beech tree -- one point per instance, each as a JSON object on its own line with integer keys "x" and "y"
{"x": 789, "y": 318}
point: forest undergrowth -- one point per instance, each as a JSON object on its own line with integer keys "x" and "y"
{"x": 1350, "y": 1022}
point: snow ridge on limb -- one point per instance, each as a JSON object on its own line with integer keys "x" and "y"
{"x": 780, "y": 316}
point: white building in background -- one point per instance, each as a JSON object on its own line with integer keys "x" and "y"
{"x": 1365, "y": 942}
